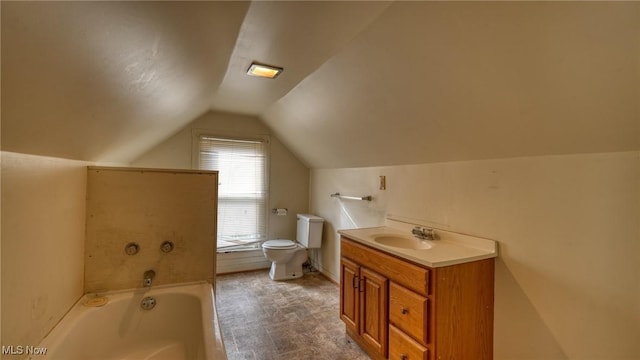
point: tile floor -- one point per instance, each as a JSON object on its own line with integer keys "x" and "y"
{"x": 294, "y": 319}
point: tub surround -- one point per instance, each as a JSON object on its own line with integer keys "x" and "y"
{"x": 449, "y": 248}
{"x": 149, "y": 207}
{"x": 54, "y": 237}
{"x": 43, "y": 217}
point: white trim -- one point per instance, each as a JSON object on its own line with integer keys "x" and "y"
{"x": 236, "y": 261}
{"x": 196, "y": 134}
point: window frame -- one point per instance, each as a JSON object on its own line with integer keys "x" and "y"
{"x": 197, "y": 134}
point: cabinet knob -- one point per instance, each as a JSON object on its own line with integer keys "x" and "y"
{"x": 403, "y": 357}
{"x": 403, "y": 311}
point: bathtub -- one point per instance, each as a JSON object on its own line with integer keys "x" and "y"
{"x": 182, "y": 325}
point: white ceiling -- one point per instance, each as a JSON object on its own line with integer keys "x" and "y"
{"x": 365, "y": 83}
{"x": 106, "y": 81}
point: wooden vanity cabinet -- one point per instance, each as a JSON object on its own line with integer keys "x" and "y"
{"x": 396, "y": 309}
{"x": 363, "y": 306}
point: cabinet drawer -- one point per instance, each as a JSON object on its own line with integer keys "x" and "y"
{"x": 402, "y": 347}
{"x": 409, "y": 312}
{"x": 409, "y": 275}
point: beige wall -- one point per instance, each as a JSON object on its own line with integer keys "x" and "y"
{"x": 568, "y": 276}
{"x": 288, "y": 179}
{"x": 43, "y": 222}
{"x": 149, "y": 207}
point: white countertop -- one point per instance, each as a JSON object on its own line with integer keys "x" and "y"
{"x": 450, "y": 248}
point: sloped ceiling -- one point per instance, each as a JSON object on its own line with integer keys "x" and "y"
{"x": 440, "y": 81}
{"x": 365, "y": 83}
{"x": 105, "y": 81}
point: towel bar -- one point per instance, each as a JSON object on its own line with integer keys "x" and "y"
{"x": 366, "y": 198}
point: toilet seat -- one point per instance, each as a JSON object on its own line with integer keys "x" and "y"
{"x": 279, "y": 244}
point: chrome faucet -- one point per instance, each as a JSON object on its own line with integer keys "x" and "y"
{"x": 148, "y": 277}
{"x": 424, "y": 233}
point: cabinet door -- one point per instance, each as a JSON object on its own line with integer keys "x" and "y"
{"x": 373, "y": 291}
{"x": 349, "y": 301}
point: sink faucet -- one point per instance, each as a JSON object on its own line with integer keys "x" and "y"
{"x": 424, "y": 233}
{"x": 148, "y": 277}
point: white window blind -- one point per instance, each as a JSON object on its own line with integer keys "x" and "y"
{"x": 242, "y": 188}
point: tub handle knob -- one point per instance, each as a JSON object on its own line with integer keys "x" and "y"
{"x": 132, "y": 248}
{"x": 166, "y": 247}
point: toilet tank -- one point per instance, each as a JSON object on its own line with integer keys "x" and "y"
{"x": 309, "y": 230}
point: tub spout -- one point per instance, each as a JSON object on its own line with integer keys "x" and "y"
{"x": 148, "y": 277}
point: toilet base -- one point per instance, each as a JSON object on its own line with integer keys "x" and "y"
{"x": 286, "y": 264}
{"x": 285, "y": 271}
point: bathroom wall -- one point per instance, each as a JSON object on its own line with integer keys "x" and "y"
{"x": 568, "y": 275}
{"x": 288, "y": 177}
{"x": 149, "y": 207}
{"x": 43, "y": 222}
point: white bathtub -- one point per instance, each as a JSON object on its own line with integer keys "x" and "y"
{"x": 182, "y": 325}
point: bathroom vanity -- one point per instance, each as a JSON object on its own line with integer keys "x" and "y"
{"x": 404, "y": 298}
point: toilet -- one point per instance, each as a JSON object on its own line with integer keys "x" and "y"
{"x": 287, "y": 256}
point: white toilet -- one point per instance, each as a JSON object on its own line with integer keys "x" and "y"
{"x": 288, "y": 256}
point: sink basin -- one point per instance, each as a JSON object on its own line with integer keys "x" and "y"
{"x": 401, "y": 242}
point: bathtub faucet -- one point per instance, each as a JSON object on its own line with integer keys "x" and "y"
{"x": 148, "y": 277}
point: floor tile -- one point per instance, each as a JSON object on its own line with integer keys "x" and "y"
{"x": 295, "y": 319}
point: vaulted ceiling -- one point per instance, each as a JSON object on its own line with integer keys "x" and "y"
{"x": 365, "y": 83}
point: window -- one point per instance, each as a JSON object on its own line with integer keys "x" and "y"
{"x": 242, "y": 189}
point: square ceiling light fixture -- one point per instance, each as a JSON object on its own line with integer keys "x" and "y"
{"x": 266, "y": 71}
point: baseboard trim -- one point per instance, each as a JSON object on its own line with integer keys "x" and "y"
{"x": 241, "y": 261}
{"x": 328, "y": 277}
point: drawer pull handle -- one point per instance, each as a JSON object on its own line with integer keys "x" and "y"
{"x": 353, "y": 282}
{"x": 403, "y": 311}
{"x": 403, "y": 357}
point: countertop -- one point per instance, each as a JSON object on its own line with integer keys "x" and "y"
{"x": 450, "y": 248}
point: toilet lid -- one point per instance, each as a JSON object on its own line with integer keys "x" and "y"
{"x": 279, "y": 244}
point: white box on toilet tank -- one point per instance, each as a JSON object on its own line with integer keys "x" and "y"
{"x": 309, "y": 230}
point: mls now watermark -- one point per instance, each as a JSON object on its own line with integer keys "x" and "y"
{"x": 23, "y": 350}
